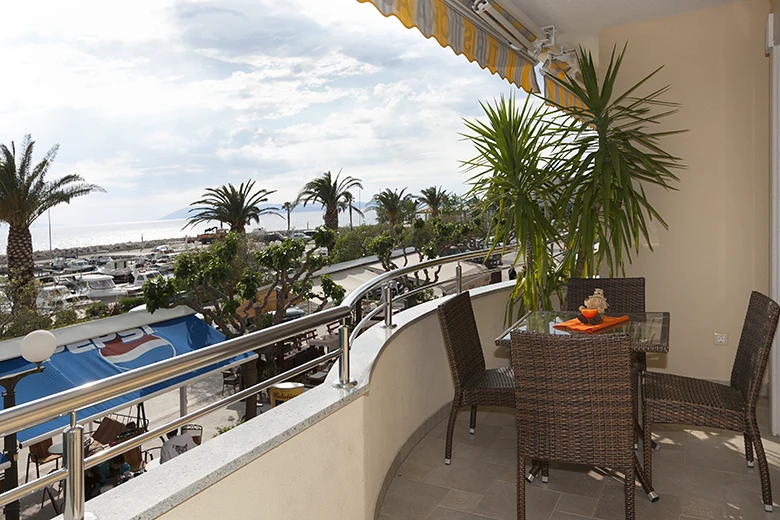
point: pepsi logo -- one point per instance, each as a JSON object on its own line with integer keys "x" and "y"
{"x": 134, "y": 348}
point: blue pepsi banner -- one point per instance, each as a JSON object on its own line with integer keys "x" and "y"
{"x": 87, "y": 361}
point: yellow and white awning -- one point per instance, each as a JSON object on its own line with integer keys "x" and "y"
{"x": 554, "y": 73}
{"x": 448, "y": 23}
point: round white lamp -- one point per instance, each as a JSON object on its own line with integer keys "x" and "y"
{"x": 38, "y": 346}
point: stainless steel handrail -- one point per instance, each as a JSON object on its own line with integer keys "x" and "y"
{"x": 44, "y": 409}
{"x": 353, "y": 297}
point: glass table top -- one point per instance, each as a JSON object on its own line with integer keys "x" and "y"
{"x": 649, "y": 331}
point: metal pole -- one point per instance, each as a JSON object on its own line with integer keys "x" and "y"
{"x": 73, "y": 460}
{"x": 458, "y": 279}
{"x": 183, "y": 401}
{"x": 344, "y": 379}
{"x": 11, "y": 473}
{"x": 388, "y": 306}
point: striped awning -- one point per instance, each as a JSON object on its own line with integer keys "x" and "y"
{"x": 448, "y": 22}
{"x": 554, "y": 73}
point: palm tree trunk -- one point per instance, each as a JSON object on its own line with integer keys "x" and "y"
{"x": 288, "y": 222}
{"x": 21, "y": 266}
{"x": 331, "y": 217}
{"x": 350, "y": 216}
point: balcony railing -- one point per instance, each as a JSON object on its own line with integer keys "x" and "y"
{"x": 69, "y": 402}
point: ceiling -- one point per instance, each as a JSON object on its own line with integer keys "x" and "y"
{"x": 579, "y": 21}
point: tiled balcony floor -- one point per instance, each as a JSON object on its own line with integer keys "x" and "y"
{"x": 700, "y": 474}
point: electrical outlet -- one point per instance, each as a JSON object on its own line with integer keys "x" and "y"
{"x": 720, "y": 339}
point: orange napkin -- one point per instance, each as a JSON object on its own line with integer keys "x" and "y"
{"x": 575, "y": 324}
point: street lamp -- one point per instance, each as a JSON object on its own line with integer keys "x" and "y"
{"x": 37, "y": 347}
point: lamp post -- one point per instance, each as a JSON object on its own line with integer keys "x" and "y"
{"x": 37, "y": 347}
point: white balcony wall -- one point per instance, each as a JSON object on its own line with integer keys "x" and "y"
{"x": 320, "y": 455}
{"x": 716, "y": 250}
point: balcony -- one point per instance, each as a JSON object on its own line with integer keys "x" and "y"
{"x": 376, "y": 451}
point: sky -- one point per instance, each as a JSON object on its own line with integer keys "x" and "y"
{"x": 155, "y": 100}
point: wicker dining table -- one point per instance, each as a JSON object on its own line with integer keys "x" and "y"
{"x": 649, "y": 331}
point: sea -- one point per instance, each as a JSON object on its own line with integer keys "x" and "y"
{"x": 65, "y": 237}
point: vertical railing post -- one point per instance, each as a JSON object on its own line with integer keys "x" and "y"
{"x": 344, "y": 380}
{"x": 458, "y": 279}
{"x": 73, "y": 461}
{"x": 388, "y": 306}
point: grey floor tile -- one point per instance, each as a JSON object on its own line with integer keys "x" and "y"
{"x": 500, "y": 501}
{"x": 560, "y": 515}
{"x": 442, "y": 513}
{"x": 703, "y": 509}
{"x": 415, "y": 472}
{"x": 466, "y": 475}
{"x": 461, "y": 500}
{"x": 577, "y": 504}
{"x": 502, "y": 452}
{"x": 483, "y": 437}
{"x": 412, "y": 500}
{"x": 430, "y": 452}
{"x": 574, "y": 479}
{"x": 689, "y": 482}
{"x": 611, "y": 506}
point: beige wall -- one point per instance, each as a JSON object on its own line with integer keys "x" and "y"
{"x": 334, "y": 469}
{"x": 717, "y": 247}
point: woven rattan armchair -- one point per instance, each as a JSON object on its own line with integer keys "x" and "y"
{"x": 474, "y": 384}
{"x": 573, "y": 396}
{"x": 625, "y": 296}
{"x": 671, "y": 399}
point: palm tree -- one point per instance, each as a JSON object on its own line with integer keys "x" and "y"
{"x": 510, "y": 176}
{"x": 349, "y": 204}
{"x": 614, "y": 153}
{"x": 25, "y": 195}
{"x": 288, "y": 207}
{"x": 433, "y": 198}
{"x": 331, "y": 193}
{"x": 389, "y": 205}
{"x": 234, "y": 207}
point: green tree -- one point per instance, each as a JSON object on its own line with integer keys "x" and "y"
{"x": 613, "y": 152}
{"x": 331, "y": 193}
{"x": 25, "y": 195}
{"x": 512, "y": 176}
{"x": 433, "y": 198}
{"x": 236, "y": 207}
{"x": 389, "y": 205}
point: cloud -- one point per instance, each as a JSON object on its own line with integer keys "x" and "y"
{"x": 156, "y": 100}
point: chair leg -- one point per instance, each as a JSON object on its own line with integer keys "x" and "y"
{"x": 521, "y": 485}
{"x": 630, "y": 487}
{"x": 647, "y": 488}
{"x": 536, "y": 467}
{"x": 763, "y": 468}
{"x": 473, "y": 419}
{"x": 451, "y": 428}
{"x": 27, "y": 475}
{"x": 37, "y": 469}
{"x": 749, "y": 451}
{"x": 545, "y": 471}
{"x": 647, "y": 459}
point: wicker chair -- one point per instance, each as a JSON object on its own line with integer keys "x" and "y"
{"x": 39, "y": 454}
{"x": 625, "y": 296}
{"x": 573, "y": 396}
{"x": 671, "y": 399}
{"x": 474, "y": 384}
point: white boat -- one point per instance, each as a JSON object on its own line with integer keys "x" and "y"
{"x": 140, "y": 277}
{"x": 119, "y": 268}
{"x": 78, "y": 265}
{"x": 102, "y": 287}
{"x": 58, "y": 297}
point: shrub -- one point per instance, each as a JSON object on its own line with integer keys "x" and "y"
{"x": 65, "y": 317}
{"x": 98, "y": 310}
{"x": 128, "y": 302}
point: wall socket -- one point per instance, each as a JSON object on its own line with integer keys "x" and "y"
{"x": 720, "y": 339}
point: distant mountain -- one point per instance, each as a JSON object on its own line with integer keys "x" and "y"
{"x": 185, "y": 212}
